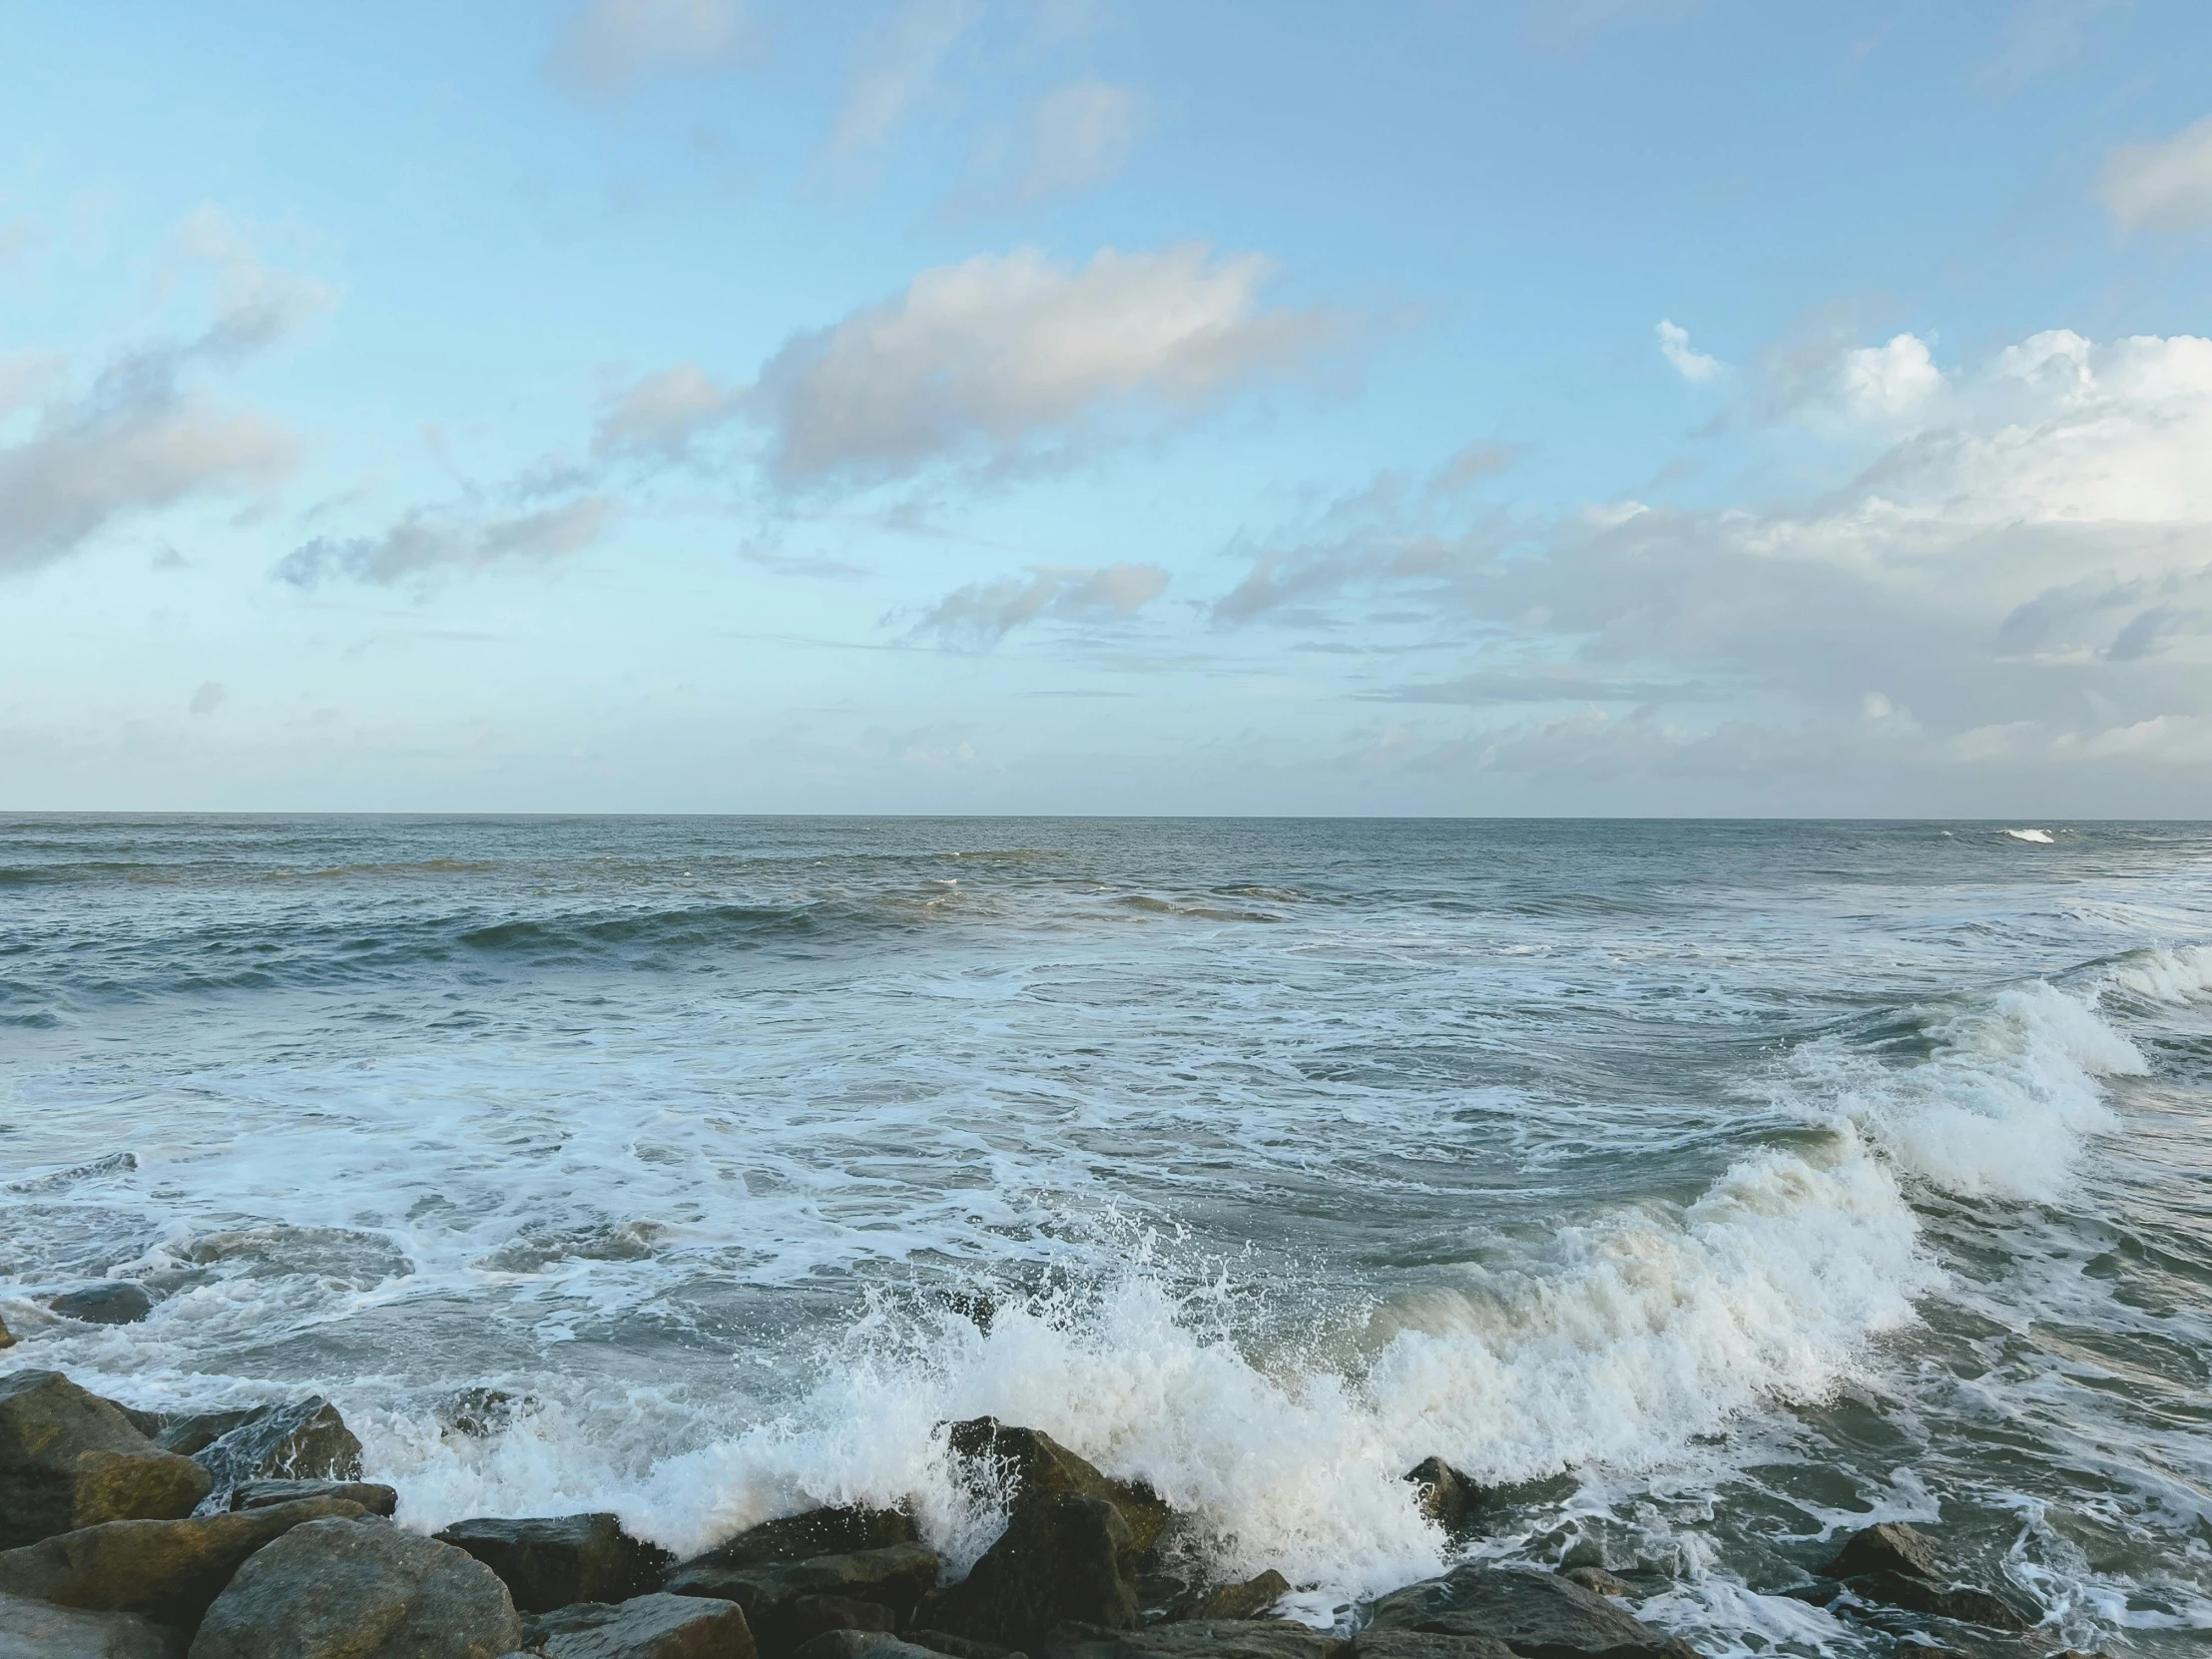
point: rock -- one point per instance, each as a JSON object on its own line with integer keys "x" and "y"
{"x": 1236, "y": 1601}
{"x": 551, "y": 1562}
{"x": 194, "y": 1431}
{"x": 1538, "y": 1615}
{"x": 340, "y": 1590}
{"x": 306, "y": 1439}
{"x": 1961, "y": 1602}
{"x": 1024, "y": 1461}
{"x": 118, "y": 1301}
{"x": 377, "y": 1500}
{"x": 836, "y": 1531}
{"x": 1892, "y": 1546}
{"x": 812, "y": 1615}
{"x": 7, "y": 1337}
{"x": 1199, "y": 1639}
{"x": 40, "y": 1630}
{"x": 895, "y": 1577}
{"x": 960, "y": 1647}
{"x": 861, "y": 1644}
{"x": 1425, "y": 1644}
{"x": 1447, "y": 1497}
{"x": 164, "y": 1571}
{"x": 69, "y": 1459}
{"x": 1064, "y": 1556}
{"x": 646, "y": 1627}
{"x": 480, "y": 1414}
{"x": 1598, "y": 1581}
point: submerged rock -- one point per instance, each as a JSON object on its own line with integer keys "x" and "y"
{"x": 118, "y": 1301}
{"x": 1891, "y": 1547}
{"x": 343, "y": 1589}
{"x": 1962, "y": 1603}
{"x": 40, "y": 1630}
{"x": 377, "y": 1498}
{"x": 1025, "y": 1463}
{"x": 1447, "y": 1497}
{"x": 1236, "y": 1601}
{"x": 165, "y": 1570}
{"x": 1538, "y": 1615}
{"x": 551, "y": 1562}
{"x": 895, "y": 1577}
{"x": 646, "y": 1627}
{"x": 1064, "y": 1556}
{"x": 69, "y": 1459}
{"x": 843, "y": 1530}
{"x": 1598, "y": 1581}
{"x": 1199, "y": 1639}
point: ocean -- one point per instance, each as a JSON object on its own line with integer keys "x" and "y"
{"x": 1714, "y": 1187}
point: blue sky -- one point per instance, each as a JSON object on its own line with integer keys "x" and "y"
{"x": 947, "y": 406}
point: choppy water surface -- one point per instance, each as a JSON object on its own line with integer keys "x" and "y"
{"x": 1759, "y": 1179}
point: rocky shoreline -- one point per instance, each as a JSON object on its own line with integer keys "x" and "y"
{"x": 127, "y": 1534}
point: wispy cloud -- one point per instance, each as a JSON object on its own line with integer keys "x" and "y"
{"x": 1674, "y": 344}
{"x": 607, "y": 46}
{"x": 978, "y": 616}
{"x": 426, "y": 544}
{"x": 2165, "y": 186}
{"x": 896, "y": 69}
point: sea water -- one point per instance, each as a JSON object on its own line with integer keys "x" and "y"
{"x": 1718, "y": 1188}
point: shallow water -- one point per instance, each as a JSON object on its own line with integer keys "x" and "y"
{"x": 1758, "y": 1179}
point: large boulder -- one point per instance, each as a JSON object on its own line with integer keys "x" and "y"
{"x": 377, "y": 1498}
{"x": 118, "y": 1301}
{"x": 40, "y": 1630}
{"x": 1064, "y": 1556}
{"x": 895, "y": 1577}
{"x": 553, "y": 1560}
{"x": 1897, "y": 1566}
{"x": 1538, "y": 1615}
{"x": 69, "y": 1458}
{"x": 305, "y": 1439}
{"x": 1023, "y": 1463}
{"x": 343, "y": 1589}
{"x": 164, "y": 1571}
{"x": 1198, "y": 1639}
{"x": 841, "y": 1530}
{"x": 647, "y": 1627}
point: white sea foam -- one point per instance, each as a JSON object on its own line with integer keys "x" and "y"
{"x": 2039, "y": 837}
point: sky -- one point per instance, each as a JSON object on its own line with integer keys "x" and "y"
{"x": 1535, "y": 407}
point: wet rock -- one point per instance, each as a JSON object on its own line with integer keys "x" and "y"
{"x": 1892, "y": 1546}
{"x": 1027, "y": 1461}
{"x": 1538, "y": 1615}
{"x": 1236, "y": 1601}
{"x": 118, "y": 1301}
{"x": 306, "y": 1439}
{"x": 69, "y": 1459}
{"x": 841, "y": 1530}
{"x": 861, "y": 1644}
{"x": 646, "y": 1627}
{"x": 1961, "y": 1602}
{"x": 341, "y": 1589}
{"x": 481, "y": 1413}
{"x": 1598, "y": 1581}
{"x": 1064, "y": 1556}
{"x": 960, "y": 1647}
{"x": 191, "y": 1432}
{"x": 164, "y": 1571}
{"x": 377, "y": 1500}
{"x": 895, "y": 1577}
{"x": 1199, "y": 1639}
{"x": 40, "y": 1630}
{"x": 7, "y": 1337}
{"x": 1425, "y": 1644}
{"x": 551, "y": 1562}
{"x": 1447, "y": 1497}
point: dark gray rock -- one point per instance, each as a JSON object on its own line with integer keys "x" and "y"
{"x": 1064, "y": 1556}
{"x": 960, "y": 1647}
{"x": 40, "y": 1630}
{"x": 118, "y": 1301}
{"x": 1891, "y": 1547}
{"x": 812, "y": 1615}
{"x": 895, "y": 1577}
{"x": 377, "y": 1500}
{"x": 1447, "y": 1497}
{"x": 340, "y": 1590}
{"x": 305, "y": 1439}
{"x": 69, "y": 1459}
{"x": 164, "y": 1571}
{"x": 834, "y": 1532}
{"x": 1961, "y": 1602}
{"x": 551, "y": 1562}
{"x": 1538, "y": 1615}
{"x": 1236, "y": 1601}
{"x": 190, "y": 1432}
{"x": 1425, "y": 1644}
{"x": 1024, "y": 1462}
{"x": 1598, "y": 1581}
{"x": 859, "y": 1644}
{"x": 646, "y": 1627}
{"x": 1199, "y": 1639}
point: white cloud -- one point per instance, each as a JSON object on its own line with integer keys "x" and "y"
{"x": 1084, "y": 135}
{"x": 660, "y": 415}
{"x": 980, "y": 615}
{"x": 1889, "y": 382}
{"x": 607, "y": 45}
{"x": 895, "y": 68}
{"x": 1674, "y": 346}
{"x": 2162, "y": 187}
{"x": 426, "y": 544}
{"x": 1004, "y": 360}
